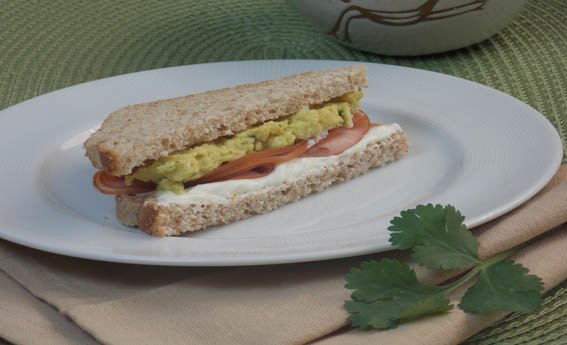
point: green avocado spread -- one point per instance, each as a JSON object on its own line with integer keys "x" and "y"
{"x": 169, "y": 173}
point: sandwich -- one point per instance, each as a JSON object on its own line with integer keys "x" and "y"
{"x": 187, "y": 163}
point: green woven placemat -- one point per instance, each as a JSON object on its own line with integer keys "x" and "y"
{"x": 47, "y": 45}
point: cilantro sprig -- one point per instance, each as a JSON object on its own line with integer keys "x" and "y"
{"x": 387, "y": 292}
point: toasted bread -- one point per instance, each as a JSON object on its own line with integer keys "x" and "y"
{"x": 137, "y": 133}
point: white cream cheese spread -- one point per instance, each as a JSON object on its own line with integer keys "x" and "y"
{"x": 219, "y": 192}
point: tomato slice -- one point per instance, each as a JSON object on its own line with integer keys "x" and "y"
{"x": 250, "y": 162}
{"x": 341, "y": 139}
{"x": 257, "y": 172}
{"x": 113, "y": 185}
{"x": 255, "y": 164}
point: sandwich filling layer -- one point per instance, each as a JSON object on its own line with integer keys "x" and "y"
{"x": 222, "y": 192}
{"x": 171, "y": 172}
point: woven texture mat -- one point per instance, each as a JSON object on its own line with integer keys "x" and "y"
{"x": 47, "y": 45}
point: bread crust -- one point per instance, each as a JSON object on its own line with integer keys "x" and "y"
{"x": 159, "y": 219}
{"x": 134, "y": 134}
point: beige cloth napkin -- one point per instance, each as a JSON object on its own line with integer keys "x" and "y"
{"x": 25, "y": 319}
{"x": 287, "y": 304}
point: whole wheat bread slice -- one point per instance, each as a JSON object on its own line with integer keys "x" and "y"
{"x": 160, "y": 219}
{"x": 137, "y": 133}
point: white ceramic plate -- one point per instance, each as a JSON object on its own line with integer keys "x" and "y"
{"x": 476, "y": 148}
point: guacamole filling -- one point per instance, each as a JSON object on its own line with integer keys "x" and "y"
{"x": 169, "y": 173}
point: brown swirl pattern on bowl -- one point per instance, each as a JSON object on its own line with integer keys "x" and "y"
{"x": 428, "y": 11}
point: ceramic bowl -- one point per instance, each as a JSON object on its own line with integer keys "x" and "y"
{"x": 409, "y": 27}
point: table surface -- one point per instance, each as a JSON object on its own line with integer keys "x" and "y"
{"x": 45, "y": 46}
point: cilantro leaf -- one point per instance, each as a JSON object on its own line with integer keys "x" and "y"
{"x": 503, "y": 286}
{"x": 437, "y": 235}
{"x": 387, "y": 292}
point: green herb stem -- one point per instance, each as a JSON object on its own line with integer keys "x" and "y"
{"x": 482, "y": 265}
{"x": 502, "y": 256}
{"x": 458, "y": 283}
